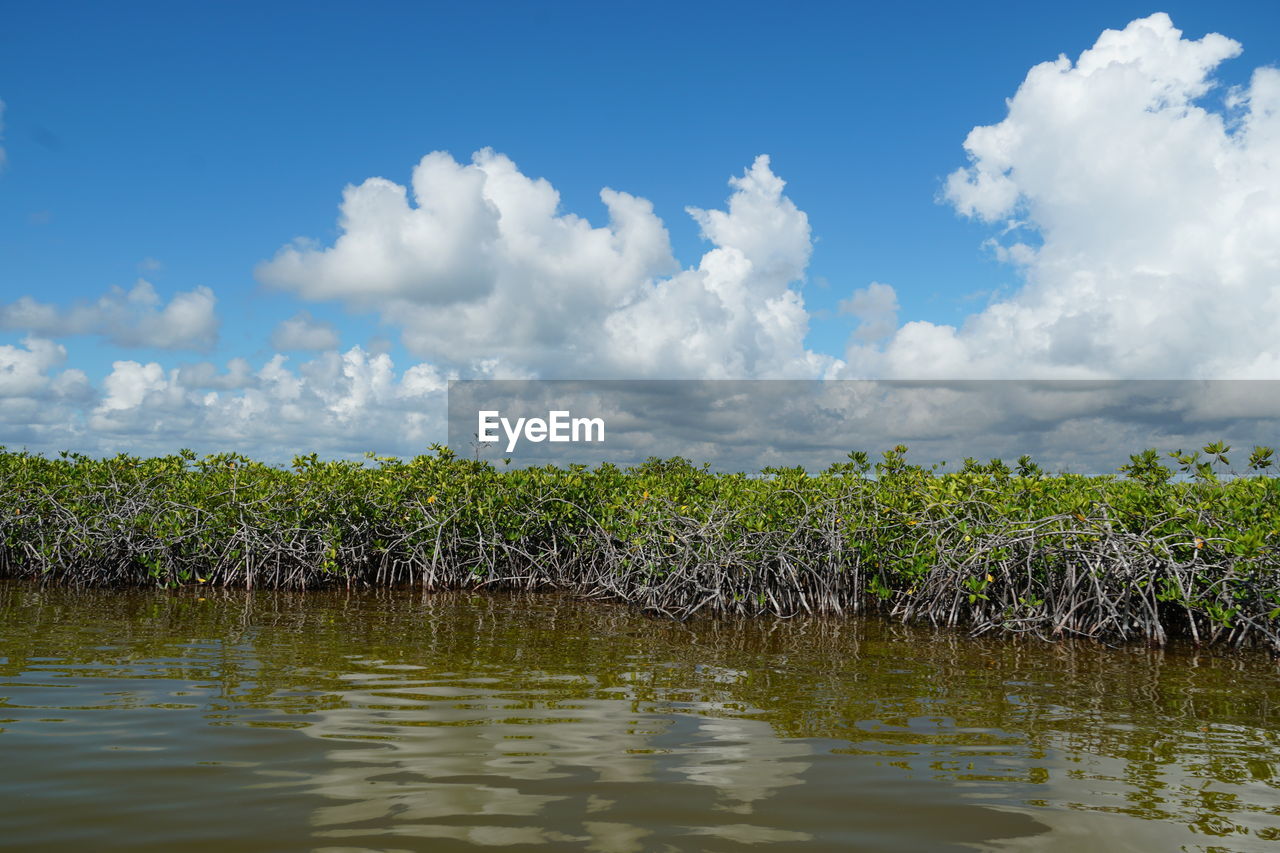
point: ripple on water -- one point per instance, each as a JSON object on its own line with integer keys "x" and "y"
{"x": 150, "y": 720}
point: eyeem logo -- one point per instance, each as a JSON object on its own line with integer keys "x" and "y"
{"x": 558, "y": 426}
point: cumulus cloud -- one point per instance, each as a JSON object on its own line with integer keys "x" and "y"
{"x": 38, "y": 399}
{"x": 304, "y": 332}
{"x": 130, "y": 383}
{"x": 1142, "y": 211}
{"x": 133, "y": 318}
{"x": 876, "y": 307}
{"x": 480, "y": 269}
{"x": 335, "y": 404}
{"x": 238, "y": 374}
{"x": 24, "y": 371}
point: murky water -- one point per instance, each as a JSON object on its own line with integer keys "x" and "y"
{"x": 208, "y": 720}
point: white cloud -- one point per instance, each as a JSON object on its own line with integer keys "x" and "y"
{"x": 876, "y": 306}
{"x": 239, "y": 374}
{"x": 24, "y": 371}
{"x": 39, "y": 402}
{"x": 482, "y": 271}
{"x": 1155, "y": 216}
{"x": 133, "y": 318}
{"x": 335, "y": 404}
{"x": 304, "y": 332}
{"x": 130, "y": 383}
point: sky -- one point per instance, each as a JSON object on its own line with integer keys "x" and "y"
{"x": 281, "y": 228}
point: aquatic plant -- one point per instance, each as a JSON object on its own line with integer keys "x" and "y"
{"x": 1151, "y": 554}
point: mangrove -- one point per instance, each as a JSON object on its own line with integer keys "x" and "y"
{"x": 1149, "y": 554}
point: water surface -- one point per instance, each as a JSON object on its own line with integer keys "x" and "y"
{"x": 216, "y": 720}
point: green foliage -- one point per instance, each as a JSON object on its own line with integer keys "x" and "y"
{"x": 1149, "y": 554}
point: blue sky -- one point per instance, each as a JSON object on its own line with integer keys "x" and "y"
{"x": 186, "y": 144}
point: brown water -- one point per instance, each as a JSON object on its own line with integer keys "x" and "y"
{"x": 403, "y": 721}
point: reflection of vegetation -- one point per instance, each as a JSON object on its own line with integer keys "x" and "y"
{"x": 1154, "y": 734}
{"x": 1137, "y": 557}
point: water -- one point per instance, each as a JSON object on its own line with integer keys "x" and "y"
{"x": 214, "y": 720}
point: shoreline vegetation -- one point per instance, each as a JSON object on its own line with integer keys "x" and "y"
{"x": 1152, "y": 554}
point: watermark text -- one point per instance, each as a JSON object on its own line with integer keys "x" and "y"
{"x": 557, "y": 426}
